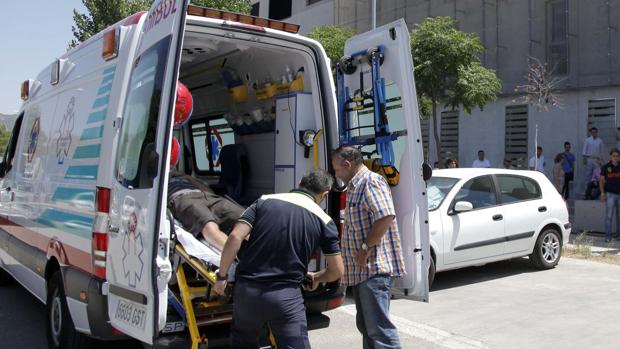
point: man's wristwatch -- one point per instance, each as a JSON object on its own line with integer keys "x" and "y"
{"x": 364, "y": 247}
{"x": 221, "y": 278}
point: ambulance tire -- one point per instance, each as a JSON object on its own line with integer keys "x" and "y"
{"x": 61, "y": 332}
{"x": 5, "y": 278}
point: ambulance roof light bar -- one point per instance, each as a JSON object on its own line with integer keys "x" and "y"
{"x": 25, "y": 90}
{"x": 241, "y": 18}
{"x": 111, "y": 43}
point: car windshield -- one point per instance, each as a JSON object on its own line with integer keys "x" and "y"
{"x": 437, "y": 189}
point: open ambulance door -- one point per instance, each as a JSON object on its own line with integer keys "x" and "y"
{"x": 396, "y": 121}
{"x": 137, "y": 265}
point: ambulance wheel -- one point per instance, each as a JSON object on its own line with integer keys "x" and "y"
{"x": 61, "y": 332}
{"x": 5, "y": 278}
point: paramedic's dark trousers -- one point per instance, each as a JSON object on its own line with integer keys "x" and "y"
{"x": 280, "y": 307}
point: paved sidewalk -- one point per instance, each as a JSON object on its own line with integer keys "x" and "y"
{"x": 597, "y": 242}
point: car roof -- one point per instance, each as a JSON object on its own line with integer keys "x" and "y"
{"x": 472, "y": 172}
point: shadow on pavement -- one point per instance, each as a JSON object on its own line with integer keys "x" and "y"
{"x": 487, "y": 272}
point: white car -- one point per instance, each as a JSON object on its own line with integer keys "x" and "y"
{"x": 478, "y": 216}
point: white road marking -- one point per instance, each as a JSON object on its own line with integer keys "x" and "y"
{"x": 427, "y": 333}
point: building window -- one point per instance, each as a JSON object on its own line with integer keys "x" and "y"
{"x": 602, "y": 115}
{"x": 449, "y": 135}
{"x": 255, "y": 8}
{"x": 516, "y": 136}
{"x": 280, "y": 9}
{"x": 558, "y": 36}
{"x": 310, "y": 2}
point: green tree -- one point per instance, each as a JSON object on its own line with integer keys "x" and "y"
{"x": 448, "y": 69}
{"x": 102, "y": 13}
{"x": 4, "y": 138}
{"x": 332, "y": 38}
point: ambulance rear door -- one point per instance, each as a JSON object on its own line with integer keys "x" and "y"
{"x": 138, "y": 268}
{"x": 401, "y": 109}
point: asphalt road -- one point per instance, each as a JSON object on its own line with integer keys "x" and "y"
{"x": 501, "y": 305}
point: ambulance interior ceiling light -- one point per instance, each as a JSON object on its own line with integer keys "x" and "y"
{"x": 250, "y": 22}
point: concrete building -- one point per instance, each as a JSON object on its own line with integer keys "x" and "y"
{"x": 581, "y": 39}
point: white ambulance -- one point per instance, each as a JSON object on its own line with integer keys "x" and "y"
{"x": 83, "y": 219}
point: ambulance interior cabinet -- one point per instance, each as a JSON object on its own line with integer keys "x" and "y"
{"x": 294, "y": 113}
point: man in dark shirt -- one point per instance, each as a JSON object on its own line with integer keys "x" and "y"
{"x": 284, "y": 231}
{"x": 200, "y": 211}
{"x": 609, "y": 184}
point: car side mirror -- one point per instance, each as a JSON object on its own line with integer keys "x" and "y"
{"x": 463, "y": 206}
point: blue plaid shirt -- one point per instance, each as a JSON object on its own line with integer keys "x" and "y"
{"x": 369, "y": 199}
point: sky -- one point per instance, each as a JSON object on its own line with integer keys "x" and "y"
{"x": 33, "y": 33}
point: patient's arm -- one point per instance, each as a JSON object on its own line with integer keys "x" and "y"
{"x": 214, "y": 236}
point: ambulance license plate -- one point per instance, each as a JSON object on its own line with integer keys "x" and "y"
{"x": 131, "y": 314}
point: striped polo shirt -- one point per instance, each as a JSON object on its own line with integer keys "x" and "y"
{"x": 369, "y": 199}
{"x": 287, "y": 229}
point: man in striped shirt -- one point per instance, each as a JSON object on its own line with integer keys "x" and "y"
{"x": 370, "y": 247}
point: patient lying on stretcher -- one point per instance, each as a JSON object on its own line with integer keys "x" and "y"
{"x": 200, "y": 211}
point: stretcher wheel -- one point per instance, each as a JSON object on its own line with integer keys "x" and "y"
{"x": 347, "y": 66}
{"x": 375, "y": 51}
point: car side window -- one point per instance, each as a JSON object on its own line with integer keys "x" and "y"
{"x": 517, "y": 188}
{"x": 480, "y": 191}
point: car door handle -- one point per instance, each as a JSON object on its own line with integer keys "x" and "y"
{"x": 542, "y": 209}
{"x": 498, "y": 217}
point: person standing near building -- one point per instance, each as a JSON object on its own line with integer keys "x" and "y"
{"x": 558, "y": 172}
{"x": 481, "y": 162}
{"x": 592, "y": 150}
{"x": 371, "y": 247}
{"x": 284, "y": 231}
{"x": 609, "y": 184}
{"x": 568, "y": 166}
{"x": 537, "y": 163}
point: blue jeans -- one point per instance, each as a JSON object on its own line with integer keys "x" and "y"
{"x": 372, "y": 301}
{"x": 612, "y": 206}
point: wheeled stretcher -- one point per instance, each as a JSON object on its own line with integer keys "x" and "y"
{"x": 195, "y": 268}
{"x": 196, "y": 265}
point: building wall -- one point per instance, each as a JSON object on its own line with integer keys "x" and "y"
{"x": 307, "y": 16}
{"x": 485, "y": 129}
{"x": 511, "y": 31}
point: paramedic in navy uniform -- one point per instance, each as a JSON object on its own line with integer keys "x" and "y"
{"x": 284, "y": 231}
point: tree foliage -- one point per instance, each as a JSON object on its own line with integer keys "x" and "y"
{"x": 102, "y": 13}
{"x": 5, "y": 135}
{"x": 332, "y": 38}
{"x": 448, "y": 70}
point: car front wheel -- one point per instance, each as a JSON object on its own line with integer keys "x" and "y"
{"x": 431, "y": 272}
{"x": 548, "y": 250}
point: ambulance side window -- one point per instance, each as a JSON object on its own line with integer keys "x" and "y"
{"x": 208, "y": 138}
{"x": 11, "y": 147}
{"x": 140, "y": 117}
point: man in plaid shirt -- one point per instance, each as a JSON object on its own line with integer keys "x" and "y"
{"x": 370, "y": 247}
